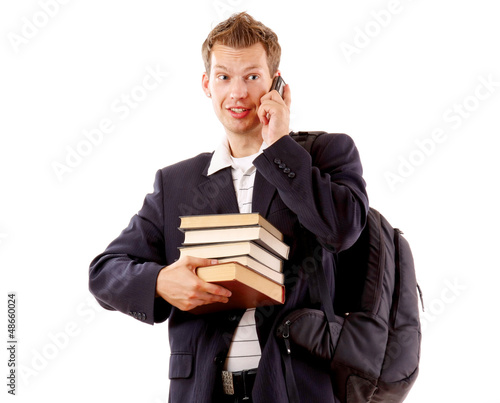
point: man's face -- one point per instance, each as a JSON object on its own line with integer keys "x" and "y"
{"x": 238, "y": 79}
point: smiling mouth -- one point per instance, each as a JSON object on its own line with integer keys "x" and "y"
{"x": 238, "y": 110}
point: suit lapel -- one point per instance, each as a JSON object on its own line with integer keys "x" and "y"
{"x": 217, "y": 191}
{"x": 263, "y": 193}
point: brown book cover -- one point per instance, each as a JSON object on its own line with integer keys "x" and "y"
{"x": 228, "y": 220}
{"x": 249, "y": 289}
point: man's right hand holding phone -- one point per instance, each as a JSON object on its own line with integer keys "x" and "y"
{"x": 274, "y": 114}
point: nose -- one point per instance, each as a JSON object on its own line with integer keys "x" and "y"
{"x": 238, "y": 88}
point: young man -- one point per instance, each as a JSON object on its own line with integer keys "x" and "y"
{"x": 258, "y": 168}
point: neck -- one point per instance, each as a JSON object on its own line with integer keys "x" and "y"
{"x": 244, "y": 145}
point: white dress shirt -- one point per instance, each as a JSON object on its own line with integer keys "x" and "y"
{"x": 244, "y": 351}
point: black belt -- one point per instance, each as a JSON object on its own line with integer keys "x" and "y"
{"x": 239, "y": 384}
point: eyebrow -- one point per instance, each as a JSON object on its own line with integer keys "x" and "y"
{"x": 249, "y": 68}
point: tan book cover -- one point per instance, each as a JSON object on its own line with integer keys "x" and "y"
{"x": 228, "y": 220}
{"x": 249, "y": 289}
{"x": 257, "y": 266}
{"x": 224, "y": 250}
{"x": 237, "y": 234}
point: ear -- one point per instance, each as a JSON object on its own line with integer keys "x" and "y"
{"x": 205, "y": 85}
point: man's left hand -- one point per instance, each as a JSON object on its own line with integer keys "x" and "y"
{"x": 274, "y": 114}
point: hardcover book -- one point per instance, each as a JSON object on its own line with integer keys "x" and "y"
{"x": 237, "y": 234}
{"x": 250, "y": 251}
{"x": 230, "y": 249}
{"x": 246, "y": 260}
{"x": 249, "y": 289}
{"x": 228, "y": 220}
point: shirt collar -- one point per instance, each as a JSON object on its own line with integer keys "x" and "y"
{"x": 222, "y": 156}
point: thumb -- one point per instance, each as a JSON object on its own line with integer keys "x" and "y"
{"x": 200, "y": 262}
{"x": 193, "y": 263}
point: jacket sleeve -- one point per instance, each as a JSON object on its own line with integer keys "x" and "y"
{"x": 325, "y": 189}
{"x": 124, "y": 276}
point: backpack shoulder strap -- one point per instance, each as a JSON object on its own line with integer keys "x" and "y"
{"x": 306, "y": 139}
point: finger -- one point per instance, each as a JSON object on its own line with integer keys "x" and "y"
{"x": 263, "y": 113}
{"x": 201, "y": 293}
{"x": 193, "y": 303}
{"x": 272, "y": 96}
{"x": 200, "y": 298}
{"x": 217, "y": 290}
{"x": 210, "y": 288}
{"x": 220, "y": 294}
{"x": 194, "y": 262}
{"x": 272, "y": 106}
{"x": 222, "y": 300}
{"x": 211, "y": 298}
{"x": 188, "y": 306}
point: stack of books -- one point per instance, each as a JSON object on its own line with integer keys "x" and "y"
{"x": 250, "y": 252}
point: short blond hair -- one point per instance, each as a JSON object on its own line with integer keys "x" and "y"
{"x": 242, "y": 31}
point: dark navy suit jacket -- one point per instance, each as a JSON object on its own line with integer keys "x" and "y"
{"x": 323, "y": 191}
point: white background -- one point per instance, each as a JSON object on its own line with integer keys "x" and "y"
{"x": 62, "y": 70}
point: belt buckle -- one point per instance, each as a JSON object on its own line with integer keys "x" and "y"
{"x": 227, "y": 382}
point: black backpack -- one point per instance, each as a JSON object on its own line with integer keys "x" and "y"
{"x": 373, "y": 326}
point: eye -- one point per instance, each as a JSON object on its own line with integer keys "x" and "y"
{"x": 222, "y": 77}
{"x": 253, "y": 77}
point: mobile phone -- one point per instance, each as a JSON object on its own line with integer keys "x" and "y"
{"x": 278, "y": 85}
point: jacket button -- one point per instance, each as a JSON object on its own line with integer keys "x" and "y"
{"x": 282, "y": 165}
{"x": 291, "y": 175}
{"x": 277, "y": 161}
{"x": 287, "y": 170}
